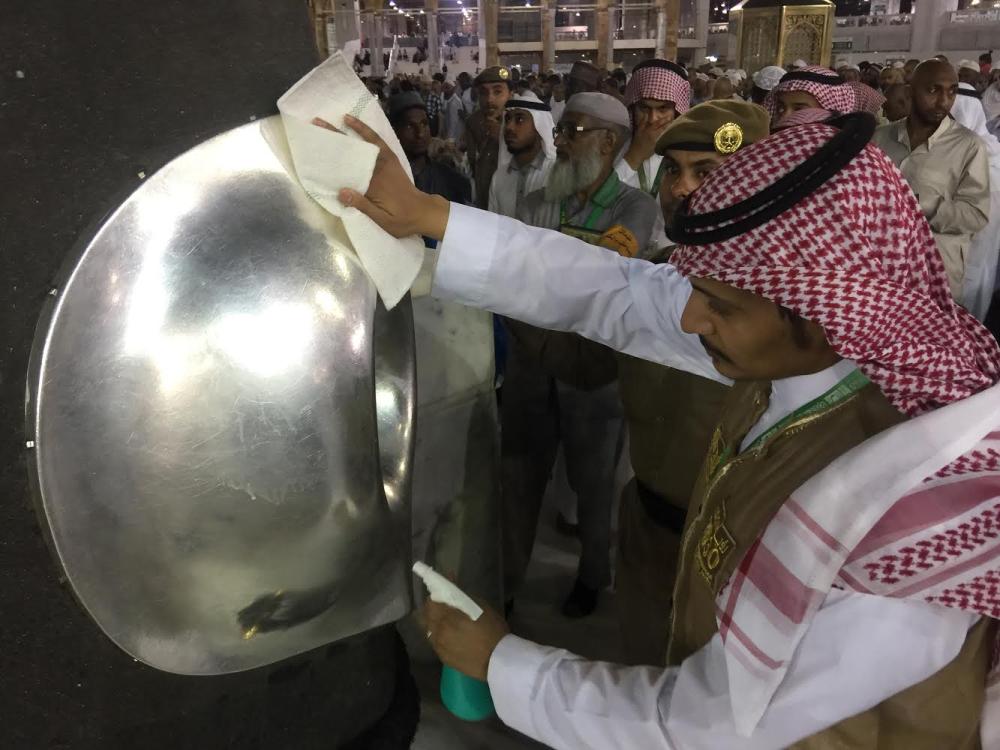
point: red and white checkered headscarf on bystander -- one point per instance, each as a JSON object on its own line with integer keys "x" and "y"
{"x": 912, "y": 513}
{"x": 662, "y": 80}
{"x": 867, "y": 99}
{"x": 830, "y": 90}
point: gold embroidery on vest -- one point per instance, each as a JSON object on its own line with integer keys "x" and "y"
{"x": 715, "y": 451}
{"x": 715, "y": 545}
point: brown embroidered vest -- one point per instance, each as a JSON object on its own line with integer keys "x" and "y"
{"x": 732, "y": 503}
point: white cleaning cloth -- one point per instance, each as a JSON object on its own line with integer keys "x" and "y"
{"x": 325, "y": 162}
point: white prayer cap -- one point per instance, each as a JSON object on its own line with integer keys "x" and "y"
{"x": 716, "y": 71}
{"x": 800, "y": 63}
{"x": 968, "y": 65}
{"x": 601, "y": 107}
{"x": 767, "y": 78}
{"x": 702, "y": 77}
{"x": 733, "y": 77}
{"x": 742, "y": 74}
{"x": 899, "y": 64}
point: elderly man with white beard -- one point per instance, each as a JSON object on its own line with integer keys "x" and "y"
{"x": 560, "y": 387}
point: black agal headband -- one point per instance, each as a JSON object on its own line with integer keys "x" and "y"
{"x": 854, "y": 131}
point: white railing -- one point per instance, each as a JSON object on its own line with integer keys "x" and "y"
{"x": 976, "y": 16}
{"x": 864, "y": 22}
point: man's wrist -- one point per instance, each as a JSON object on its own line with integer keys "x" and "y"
{"x": 433, "y": 217}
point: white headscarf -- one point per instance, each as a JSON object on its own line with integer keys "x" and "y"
{"x": 768, "y": 77}
{"x": 543, "y": 126}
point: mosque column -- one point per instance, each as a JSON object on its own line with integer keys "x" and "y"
{"x": 433, "y": 46}
{"x": 378, "y": 33}
{"x": 321, "y": 9}
{"x": 701, "y": 32}
{"x": 928, "y": 18}
{"x": 548, "y": 34}
{"x": 601, "y": 31}
{"x": 489, "y": 17}
{"x": 668, "y": 15}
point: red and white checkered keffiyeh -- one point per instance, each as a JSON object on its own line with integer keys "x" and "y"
{"x": 914, "y": 512}
{"x": 836, "y": 96}
{"x": 653, "y": 80}
{"x": 802, "y": 117}
{"x": 867, "y": 99}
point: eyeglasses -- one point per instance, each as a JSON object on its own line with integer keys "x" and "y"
{"x": 569, "y": 131}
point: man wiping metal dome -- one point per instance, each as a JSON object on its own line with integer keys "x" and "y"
{"x": 860, "y": 431}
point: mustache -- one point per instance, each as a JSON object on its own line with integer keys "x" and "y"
{"x": 712, "y": 350}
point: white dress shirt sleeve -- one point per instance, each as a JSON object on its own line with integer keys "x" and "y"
{"x": 859, "y": 650}
{"x": 554, "y": 281}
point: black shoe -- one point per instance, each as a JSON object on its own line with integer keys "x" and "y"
{"x": 582, "y": 601}
{"x": 566, "y": 528}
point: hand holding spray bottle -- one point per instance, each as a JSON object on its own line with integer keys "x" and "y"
{"x": 466, "y": 697}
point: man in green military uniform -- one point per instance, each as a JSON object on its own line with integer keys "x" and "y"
{"x": 670, "y": 413}
{"x": 482, "y": 129}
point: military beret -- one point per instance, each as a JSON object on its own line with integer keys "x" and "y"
{"x": 588, "y": 74}
{"x": 723, "y": 126}
{"x": 496, "y": 74}
{"x": 400, "y": 103}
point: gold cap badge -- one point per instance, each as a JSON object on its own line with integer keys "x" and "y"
{"x": 728, "y": 138}
{"x": 503, "y": 73}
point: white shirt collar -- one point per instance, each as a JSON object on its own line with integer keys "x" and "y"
{"x": 903, "y": 135}
{"x": 789, "y": 394}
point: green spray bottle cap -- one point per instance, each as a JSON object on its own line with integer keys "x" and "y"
{"x": 466, "y": 697}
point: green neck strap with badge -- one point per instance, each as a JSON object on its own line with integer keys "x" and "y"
{"x": 654, "y": 189}
{"x": 600, "y": 201}
{"x": 843, "y": 390}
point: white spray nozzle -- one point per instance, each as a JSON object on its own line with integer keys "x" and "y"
{"x": 444, "y": 591}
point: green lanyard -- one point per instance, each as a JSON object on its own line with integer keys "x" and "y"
{"x": 600, "y": 200}
{"x": 644, "y": 182}
{"x": 847, "y": 387}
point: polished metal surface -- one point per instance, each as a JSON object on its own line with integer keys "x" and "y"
{"x": 222, "y": 417}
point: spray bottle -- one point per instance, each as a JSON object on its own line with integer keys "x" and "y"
{"x": 466, "y": 697}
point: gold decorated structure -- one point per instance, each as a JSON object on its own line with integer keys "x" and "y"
{"x": 772, "y": 32}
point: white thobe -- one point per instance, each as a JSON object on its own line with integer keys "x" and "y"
{"x": 510, "y": 185}
{"x": 950, "y": 175}
{"x": 452, "y": 115}
{"x": 859, "y": 650}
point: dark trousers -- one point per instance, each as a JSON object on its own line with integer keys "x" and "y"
{"x": 645, "y": 571}
{"x": 537, "y": 415}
